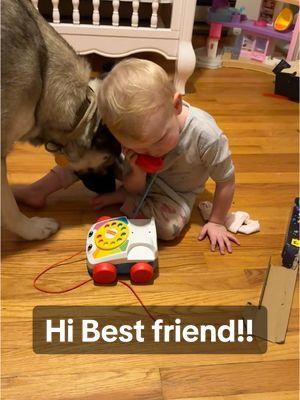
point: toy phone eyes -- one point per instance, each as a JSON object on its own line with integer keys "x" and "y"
{"x": 148, "y": 163}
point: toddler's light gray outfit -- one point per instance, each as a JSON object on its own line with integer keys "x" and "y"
{"x": 202, "y": 152}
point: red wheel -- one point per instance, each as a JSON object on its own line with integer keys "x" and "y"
{"x": 141, "y": 272}
{"x": 104, "y": 218}
{"x": 104, "y": 273}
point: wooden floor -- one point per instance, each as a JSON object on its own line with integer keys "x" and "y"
{"x": 263, "y": 137}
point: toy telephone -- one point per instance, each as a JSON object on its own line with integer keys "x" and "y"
{"x": 116, "y": 246}
{"x": 120, "y": 246}
{"x": 148, "y": 163}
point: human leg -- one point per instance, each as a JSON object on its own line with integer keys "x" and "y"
{"x": 35, "y": 195}
{"x": 170, "y": 216}
{"x": 107, "y": 199}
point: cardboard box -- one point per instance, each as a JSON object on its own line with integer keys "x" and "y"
{"x": 277, "y": 297}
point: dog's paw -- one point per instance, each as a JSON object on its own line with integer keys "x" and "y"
{"x": 38, "y": 228}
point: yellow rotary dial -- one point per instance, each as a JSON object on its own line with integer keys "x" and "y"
{"x": 111, "y": 234}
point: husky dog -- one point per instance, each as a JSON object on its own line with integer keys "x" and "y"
{"x": 46, "y": 99}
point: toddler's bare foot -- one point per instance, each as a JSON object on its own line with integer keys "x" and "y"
{"x": 107, "y": 199}
{"x": 27, "y": 195}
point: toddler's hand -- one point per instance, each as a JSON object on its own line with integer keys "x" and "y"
{"x": 218, "y": 236}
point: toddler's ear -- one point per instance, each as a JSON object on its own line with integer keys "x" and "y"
{"x": 177, "y": 102}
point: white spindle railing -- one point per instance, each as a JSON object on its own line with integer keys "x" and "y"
{"x": 35, "y": 3}
{"x": 115, "y": 15}
{"x": 55, "y": 12}
{"x": 135, "y": 14}
{"x": 155, "y": 5}
{"x": 96, "y": 14}
{"x": 75, "y": 14}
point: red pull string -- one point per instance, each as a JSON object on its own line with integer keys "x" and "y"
{"x": 57, "y": 264}
{"x": 139, "y": 299}
{"x": 63, "y": 262}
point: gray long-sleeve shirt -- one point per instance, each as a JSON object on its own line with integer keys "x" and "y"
{"x": 202, "y": 152}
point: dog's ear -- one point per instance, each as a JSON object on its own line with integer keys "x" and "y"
{"x": 85, "y": 139}
{"x": 89, "y": 130}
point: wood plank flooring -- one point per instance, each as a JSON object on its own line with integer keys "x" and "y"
{"x": 263, "y": 134}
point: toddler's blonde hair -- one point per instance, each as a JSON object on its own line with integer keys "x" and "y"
{"x": 133, "y": 90}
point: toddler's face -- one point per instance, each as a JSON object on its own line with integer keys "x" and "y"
{"x": 159, "y": 136}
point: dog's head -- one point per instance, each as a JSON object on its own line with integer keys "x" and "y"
{"x": 89, "y": 147}
{"x": 94, "y": 155}
{"x": 97, "y": 156}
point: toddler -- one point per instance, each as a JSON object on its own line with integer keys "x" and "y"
{"x": 141, "y": 108}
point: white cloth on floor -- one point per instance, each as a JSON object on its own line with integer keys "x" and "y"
{"x": 238, "y": 221}
{"x": 250, "y": 227}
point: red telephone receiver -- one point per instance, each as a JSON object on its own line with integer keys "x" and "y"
{"x": 148, "y": 163}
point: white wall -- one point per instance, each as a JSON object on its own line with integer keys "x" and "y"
{"x": 252, "y": 7}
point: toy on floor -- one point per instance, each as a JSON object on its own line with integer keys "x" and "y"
{"x": 286, "y": 84}
{"x": 290, "y": 252}
{"x": 116, "y": 246}
{"x": 120, "y": 246}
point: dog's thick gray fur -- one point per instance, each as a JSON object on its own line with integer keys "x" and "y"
{"x": 44, "y": 85}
